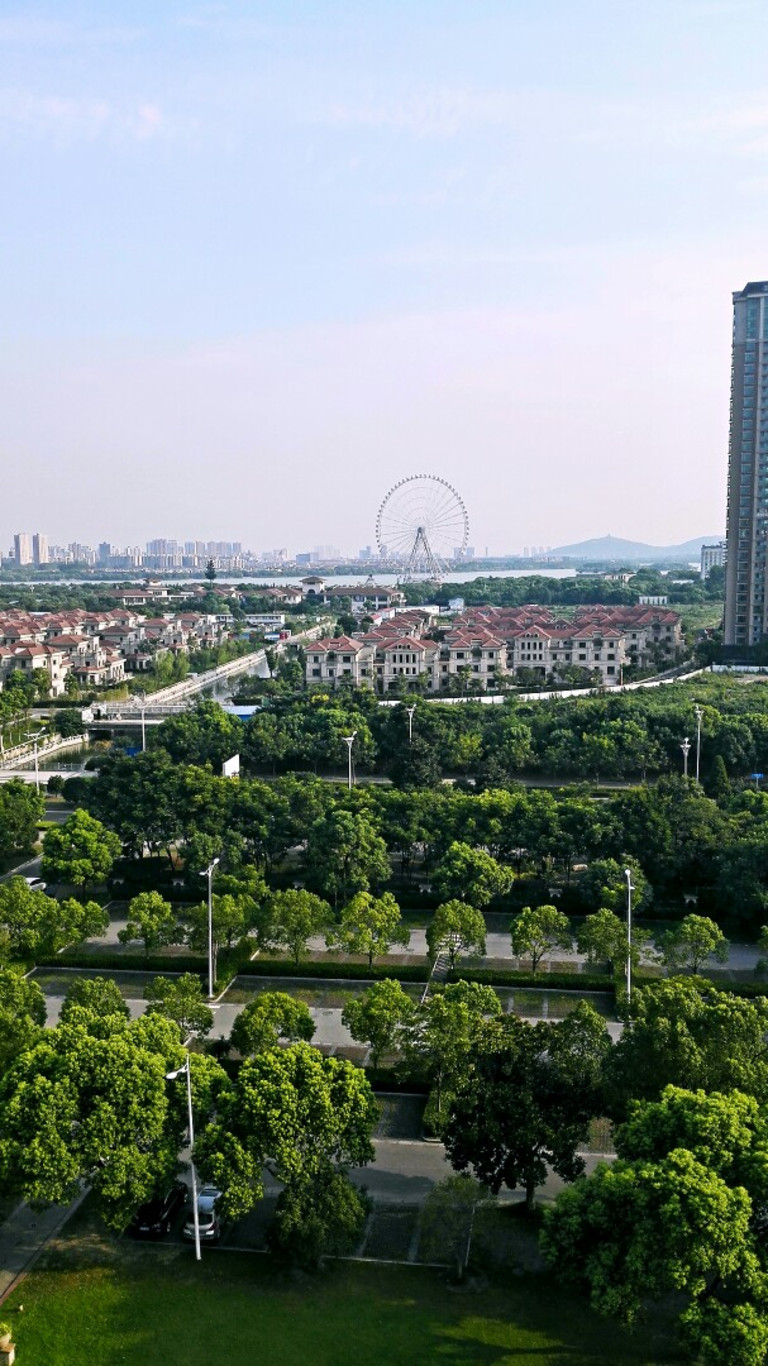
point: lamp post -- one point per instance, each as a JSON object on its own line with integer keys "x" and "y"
{"x": 349, "y": 740}
{"x": 699, "y": 714}
{"x": 211, "y": 975}
{"x": 686, "y": 748}
{"x": 172, "y": 1076}
{"x": 410, "y": 710}
{"x": 33, "y": 736}
{"x": 630, "y": 890}
{"x": 141, "y": 700}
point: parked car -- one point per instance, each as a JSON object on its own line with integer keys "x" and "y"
{"x": 209, "y": 1219}
{"x": 36, "y": 884}
{"x": 155, "y": 1219}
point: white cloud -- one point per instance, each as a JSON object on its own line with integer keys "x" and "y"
{"x": 66, "y": 120}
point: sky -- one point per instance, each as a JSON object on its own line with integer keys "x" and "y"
{"x": 259, "y": 261}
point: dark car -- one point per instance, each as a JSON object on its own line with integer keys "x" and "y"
{"x": 155, "y": 1219}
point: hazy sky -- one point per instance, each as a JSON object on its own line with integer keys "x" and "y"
{"x": 258, "y": 261}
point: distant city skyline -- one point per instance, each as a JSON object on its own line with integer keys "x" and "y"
{"x": 262, "y": 263}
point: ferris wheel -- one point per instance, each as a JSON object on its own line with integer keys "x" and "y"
{"x": 422, "y": 524}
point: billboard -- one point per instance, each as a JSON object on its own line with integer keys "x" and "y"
{"x": 231, "y": 767}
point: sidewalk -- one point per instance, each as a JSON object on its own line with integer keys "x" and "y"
{"x": 23, "y": 1237}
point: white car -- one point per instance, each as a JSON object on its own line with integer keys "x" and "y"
{"x": 36, "y": 884}
{"x": 208, "y": 1218}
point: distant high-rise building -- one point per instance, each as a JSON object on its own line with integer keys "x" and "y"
{"x": 105, "y": 552}
{"x": 40, "y": 548}
{"x": 712, "y": 556}
{"x": 746, "y": 597}
{"x": 22, "y": 547}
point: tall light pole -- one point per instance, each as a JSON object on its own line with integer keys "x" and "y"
{"x": 142, "y": 701}
{"x": 410, "y": 711}
{"x": 349, "y": 741}
{"x": 171, "y": 1076}
{"x": 686, "y": 748}
{"x": 33, "y": 736}
{"x": 699, "y": 714}
{"x": 209, "y": 874}
{"x": 630, "y": 890}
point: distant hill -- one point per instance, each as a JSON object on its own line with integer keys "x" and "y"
{"x": 613, "y": 548}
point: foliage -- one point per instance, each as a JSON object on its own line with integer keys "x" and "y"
{"x": 22, "y": 1015}
{"x": 456, "y": 928}
{"x": 603, "y": 938}
{"x": 151, "y": 919}
{"x": 291, "y": 919}
{"x": 526, "y": 1099}
{"x": 180, "y": 999}
{"x": 676, "y": 1212}
{"x": 685, "y": 1033}
{"x": 378, "y": 1016}
{"x": 80, "y": 852}
{"x": 36, "y": 924}
{"x": 345, "y": 855}
{"x": 318, "y": 1217}
{"x": 80, "y": 1107}
{"x": 470, "y": 875}
{"x": 272, "y": 1017}
{"x": 691, "y": 942}
{"x": 443, "y": 1031}
{"x": 21, "y": 810}
{"x": 537, "y": 931}
{"x": 68, "y": 721}
{"x": 293, "y": 1109}
{"x": 447, "y": 1219}
{"x": 232, "y": 917}
{"x": 369, "y": 925}
{"x": 97, "y": 996}
{"x": 605, "y": 885}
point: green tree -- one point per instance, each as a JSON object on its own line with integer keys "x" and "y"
{"x": 291, "y": 919}
{"x": 443, "y": 1031}
{"x": 345, "y": 854}
{"x": 676, "y": 1212}
{"x": 297, "y": 1112}
{"x": 36, "y": 924}
{"x": 603, "y": 938}
{"x": 22, "y": 1015}
{"x": 456, "y": 928}
{"x": 605, "y": 885}
{"x": 471, "y": 875}
{"x": 525, "y": 1101}
{"x": 316, "y": 1218}
{"x": 378, "y": 1016}
{"x": 210, "y": 572}
{"x": 537, "y": 931}
{"x": 232, "y": 917}
{"x": 78, "y": 1108}
{"x": 152, "y": 920}
{"x": 684, "y": 1034}
{"x": 180, "y": 999}
{"x": 21, "y": 810}
{"x": 98, "y": 996}
{"x": 81, "y": 851}
{"x": 369, "y": 925}
{"x": 68, "y": 722}
{"x": 447, "y": 1220}
{"x": 272, "y": 1017}
{"x": 695, "y": 939}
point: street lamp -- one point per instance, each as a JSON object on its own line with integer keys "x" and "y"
{"x": 686, "y": 748}
{"x": 141, "y": 701}
{"x": 410, "y": 710}
{"x": 699, "y": 714}
{"x": 208, "y": 872}
{"x": 172, "y": 1076}
{"x": 630, "y": 890}
{"x": 33, "y": 736}
{"x": 349, "y": 740}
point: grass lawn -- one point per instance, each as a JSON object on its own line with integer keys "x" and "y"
{"x": 159, "y": 1308}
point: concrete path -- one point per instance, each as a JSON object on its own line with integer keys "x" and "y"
{"x": 23, "y": 1236}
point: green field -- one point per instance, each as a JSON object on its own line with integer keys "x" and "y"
{"x": 157, "y": 1308}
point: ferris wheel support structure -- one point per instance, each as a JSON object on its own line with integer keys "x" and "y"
{"x": 422, "y": 525}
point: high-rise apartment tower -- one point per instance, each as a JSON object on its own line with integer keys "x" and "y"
{"x": 746, "y": 586}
